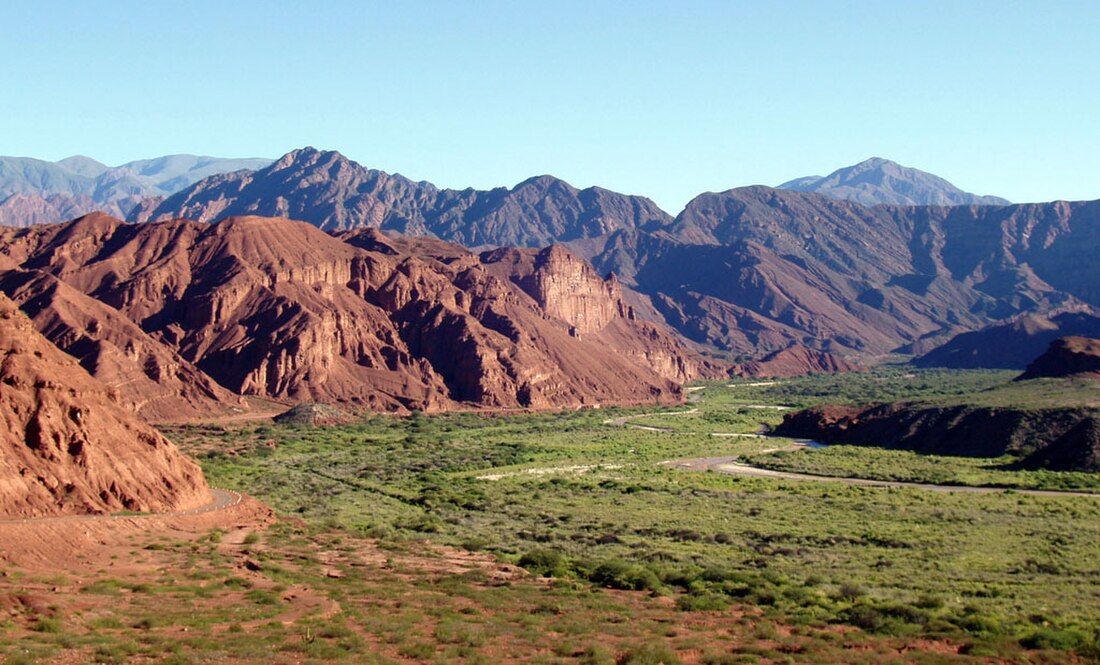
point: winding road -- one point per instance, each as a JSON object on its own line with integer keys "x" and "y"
{"x": 220, "y": 500}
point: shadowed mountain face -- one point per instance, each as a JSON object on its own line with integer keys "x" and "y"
{"x": 1011, "y": 345}
{"x": 33, "y": 191}
{"x": 334, "y": 193}
{"x": 280, "y": 309}
{"x": 1063, "y": 439}
{"x": 67, "y": 447}
{"x": 877, "y": 180}
{"x": 755, "y": 269}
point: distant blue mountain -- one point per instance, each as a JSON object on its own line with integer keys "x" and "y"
{"x": 878, "y": 180}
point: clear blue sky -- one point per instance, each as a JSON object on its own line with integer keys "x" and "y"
{"x": 664, "y": 99}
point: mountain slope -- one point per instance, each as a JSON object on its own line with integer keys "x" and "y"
{"x": 752, "y": 270}
{"x": 334, "y": 193}
{"x": 757, "y": 269}
{"x": 878, "y": 180}
{"x": 66, "y": 447}
{"x": 1010, "y": 345}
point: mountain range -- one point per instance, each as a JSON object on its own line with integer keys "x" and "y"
{"x": 334, "y": 193}
{"x": 33, "y": 191}
{"x": 750, "y": 271}
{"x": 181, "y": 318}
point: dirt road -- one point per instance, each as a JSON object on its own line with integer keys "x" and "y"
{"x": 731, "y": 466}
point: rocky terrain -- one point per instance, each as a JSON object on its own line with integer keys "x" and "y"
{"x": 332, "y": 192}
{"x": 279, "y": 309}
{"x": 66, "y": 446}
{"x": 1067, "y": 357}
{"x": 1010, "y": 345}
{"x": 143, "y": 372}
{"x": 794, "y": 361}
{"x": 1060, "y": 439}
{"x": 876, "y": 180}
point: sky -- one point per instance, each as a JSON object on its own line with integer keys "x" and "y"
{"x": 663, "y": 99}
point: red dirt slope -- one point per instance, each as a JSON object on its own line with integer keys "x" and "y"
{"x": 67, "y": 447}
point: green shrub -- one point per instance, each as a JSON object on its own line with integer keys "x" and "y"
{"x": 618, "y": 574}
{"x": 1063, "y": 639}
{"x": 702, "y": 602}
{"x": 653, "y": 653}
{"x": 545, "y": 562}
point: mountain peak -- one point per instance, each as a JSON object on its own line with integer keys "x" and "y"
{"x": 308, "y": 156}
{"x": 877, "y": 181}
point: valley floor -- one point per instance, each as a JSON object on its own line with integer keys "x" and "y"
{"x": 563, "y": 538}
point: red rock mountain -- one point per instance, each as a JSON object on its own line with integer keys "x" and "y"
{"x": 1068, "y": 356}
{"x": 332, "y": 192}
{"x": 145, "y": 374}
{"x": 795, "y": 361}
{"x": 67, "y": 447}
{"x": 280, "y": 309}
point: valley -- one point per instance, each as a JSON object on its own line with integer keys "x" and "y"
{"x": 549, "y": 333}
{"x": 785, "y": 566}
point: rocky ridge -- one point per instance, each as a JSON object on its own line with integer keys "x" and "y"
{"x": 280, "y": 309}
{"x": 1067, "y": 357}
{"x": 751, "y": 271}
{"x": 1065, "y": 439}
{"x": 334, "y": 193}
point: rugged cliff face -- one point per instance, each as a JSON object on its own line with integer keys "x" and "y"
{"x": 280, "y": 309}
{"x": 145, "y": 374}
{"x": 67, "y": 447}
{"x": 1068, "y": 356}
{"x": 1061, "y": 439}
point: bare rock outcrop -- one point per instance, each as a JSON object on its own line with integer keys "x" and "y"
{"x": 1068, "y": 356}
{"x": 66, "y": 446}
{"x": 144, "y": 373}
